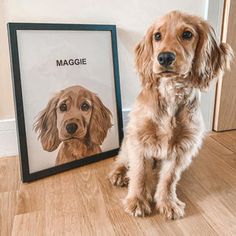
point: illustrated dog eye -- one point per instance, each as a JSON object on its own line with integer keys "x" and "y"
{"x": 157, "y": 36}
{"x": 187, "y": 35}
{"x": 63, "y": 107}
{"x": 85, "y": 106}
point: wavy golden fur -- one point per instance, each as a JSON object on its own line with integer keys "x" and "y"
{"x": 177, "y": 58}
{"x": 78, "y": 119}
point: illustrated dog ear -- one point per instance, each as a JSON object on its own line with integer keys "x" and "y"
{"x": 143, "y": 56}
{"x": 100, "y": 121}
{"x": 46, "y": 126}
{"x": 211, "y": 59}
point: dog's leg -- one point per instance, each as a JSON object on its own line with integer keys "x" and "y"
{"x": 166, "y": 199}
{"x": 118, "y": 175}
{"x": 137, "y": 202}
{"x": 151, "y": 177}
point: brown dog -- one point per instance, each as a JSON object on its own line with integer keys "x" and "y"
{"x": 77, "y": 118}
{"x": 176, "y": 59}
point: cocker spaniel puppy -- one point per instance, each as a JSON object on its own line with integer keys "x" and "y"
{"x": 177, "y": 58}
{"x": 78, "y": 119}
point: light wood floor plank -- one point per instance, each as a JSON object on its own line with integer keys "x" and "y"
{"x": 212, "y": 176}
{"x": 213, "y": 162}
{"x": 232, "y": 134}
{"x": 9, "y": 174}
{"x": 223, "y": 154}
{"x": 8, "y": 201}
{"x": 82, "y": 201}
{"x": 226, "y": 140}
{"x": 210, "y": 207}
{"x": 29, "y": 224}
{"x": 207, "y": 185}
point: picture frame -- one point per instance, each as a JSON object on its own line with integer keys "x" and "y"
{"x": 63, "y": 76}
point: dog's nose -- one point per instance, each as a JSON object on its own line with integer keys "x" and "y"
{"x": 166, "y": 58}
{"x": 71, "y": 128}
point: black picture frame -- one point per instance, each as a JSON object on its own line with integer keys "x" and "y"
{"x": 19, "y": 106}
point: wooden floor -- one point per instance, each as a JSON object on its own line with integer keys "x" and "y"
{"x": 82, "y": 202}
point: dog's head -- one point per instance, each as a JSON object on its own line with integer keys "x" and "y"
{"x": 181, "y": 45}
{"x": 75, "y": 113}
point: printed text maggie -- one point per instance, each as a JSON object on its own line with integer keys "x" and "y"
{"x": 71, "y": 62}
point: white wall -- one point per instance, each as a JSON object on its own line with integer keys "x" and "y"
{"x": 6, "y": 100}
{"x": 132, "y": 18}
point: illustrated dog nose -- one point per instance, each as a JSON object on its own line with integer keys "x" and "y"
{"x": 71, "y": 128}
{"x": 166, "y": 58}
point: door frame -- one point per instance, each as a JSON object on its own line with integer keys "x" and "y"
{"x": 224, "y": 31}
{"x": 214, "y": 13}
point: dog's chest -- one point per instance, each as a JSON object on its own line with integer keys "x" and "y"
{"x": 174, "y": 94}
{"x": 76, "y": 149}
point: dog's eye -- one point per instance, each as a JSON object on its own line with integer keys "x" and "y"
{"x": 85, "y": 106}
{"x": 187, "y": 35}
{"x": 157, "y": 36}
{"x": 63, "y": 107}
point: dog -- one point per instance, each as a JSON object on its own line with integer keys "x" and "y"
{"x": 78, "y": 119}
{"x": 176, "y": 59}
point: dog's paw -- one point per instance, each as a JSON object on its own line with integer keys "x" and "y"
{"x": 136, "y": 206}
{"x": 118, "y": 177}
{"x": 171, "y": 209}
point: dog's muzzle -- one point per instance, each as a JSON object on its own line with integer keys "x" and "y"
{"x": 166, "y": 58}
{"x": 71, "y": 128}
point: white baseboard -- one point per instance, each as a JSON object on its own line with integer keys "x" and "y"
{"x": 8, "y": 140}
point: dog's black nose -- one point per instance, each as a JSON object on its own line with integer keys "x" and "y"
{"x": 166, "y": 58}
{"x": 71, "y": 128}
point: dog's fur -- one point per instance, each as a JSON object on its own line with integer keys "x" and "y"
{"x": 93, "y": 124}
{"x": 166, "y": 124}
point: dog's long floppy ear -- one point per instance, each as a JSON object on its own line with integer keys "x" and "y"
{"x": 144, "y": 57}
{"x": 211, "y": 59}
{"x": 100, "y": 121}
{"x": 46, "y": 126}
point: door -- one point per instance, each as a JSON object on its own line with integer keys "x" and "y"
{"x": 225, "y": 108}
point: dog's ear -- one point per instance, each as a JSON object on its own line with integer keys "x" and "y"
{"x": 143, "y": 56}
{"x": 46, "y": 126}
{"x": 100, "y": 121}
{"x": 211, "y": 59}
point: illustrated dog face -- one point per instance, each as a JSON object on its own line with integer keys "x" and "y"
{"x": 182, "y": 45}
{"x": 75, "y": 113}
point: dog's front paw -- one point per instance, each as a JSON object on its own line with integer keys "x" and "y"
{"x": 118, "y": 177}
{"x": 137, "y": 206}
{"x": 171, "y": 209}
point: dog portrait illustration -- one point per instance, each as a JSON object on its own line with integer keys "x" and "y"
{"x": 76, "y": 120}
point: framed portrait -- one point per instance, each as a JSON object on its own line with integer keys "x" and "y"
{"x": 67, "y": 95}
